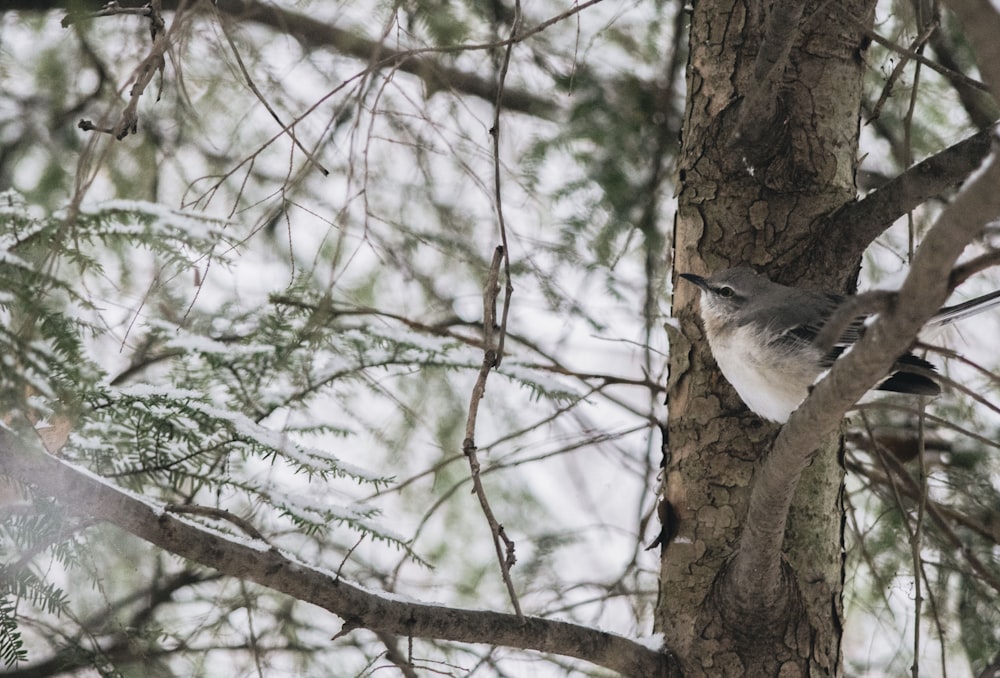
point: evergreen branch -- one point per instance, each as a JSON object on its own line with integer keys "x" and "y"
{"x": 12, "y": 650}
{"x": 156, "y": 418}
{"x": 86, "y": 495}
{"x": 122, "y": 648}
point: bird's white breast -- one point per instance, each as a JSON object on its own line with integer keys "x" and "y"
{"x": 771, "y": 381}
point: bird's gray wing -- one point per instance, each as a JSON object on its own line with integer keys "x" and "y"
{"x": 810, "y": 323}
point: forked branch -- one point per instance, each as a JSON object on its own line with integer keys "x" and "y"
{"x": 755, "y": 576}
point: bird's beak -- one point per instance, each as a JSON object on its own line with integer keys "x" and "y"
{"x": 696, "y": 279}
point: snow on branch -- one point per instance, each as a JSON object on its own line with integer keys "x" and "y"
{"x": 86, "y": 494}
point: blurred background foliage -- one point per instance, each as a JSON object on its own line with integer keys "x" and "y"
{"x": 220, "y": 320}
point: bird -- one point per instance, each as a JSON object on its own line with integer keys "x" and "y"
{"x": 763, "y": 337}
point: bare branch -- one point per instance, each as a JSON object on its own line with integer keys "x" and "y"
{"x": 436, "y": 75}
{"x": 503, "y": 544}
{"x": 897, "y": 72}
{"x": 965, "y": 271}
{"x": 260, "y": 97}
{"x": 949, "y": 515}
{"x": 86, "y": 495}
{"x": 402, "y": 660}
{"x": 894, "y": 469}
{"x": 954, "y": 76}
{"x": 976, "y": 102}
{"x": 857, "y": 224}
{"x": 109, "y": 9}
{"x": 868, "y": 303}
{"x": 152, "y": 64}
{"x": 497, "y": 195}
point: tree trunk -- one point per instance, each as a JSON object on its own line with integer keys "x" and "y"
{"x": 769, "y": 146}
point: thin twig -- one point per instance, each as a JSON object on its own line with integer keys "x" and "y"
{"x": 110, "y": 9}
{"x": 938, "y": 421}
{"x": 920, "y": 58}
{"x": 894, "y": 469}
{"x": 912, "y": 531}
{"x": 915, "y": 543}
{"x": 260, "y": 97}
{"x": 402, "y": 661}
{"x": 393, "y": 59}
{"x": 982, "y": 529}
{"x": 503, "y": 545}
{"x": 493, "y": 335}
{"x": 916, "y": 49}
{"x": 495, "y": 132}
{"x": 908, "y": 131}
{"x": 347, "y": 556}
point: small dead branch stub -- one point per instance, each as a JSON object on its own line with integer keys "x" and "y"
{"x": 128, "y": 122}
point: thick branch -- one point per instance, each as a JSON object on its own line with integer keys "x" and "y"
{"x": 859, "y": 223}
{"x": 756, "y": 572}
{"x": 86, "y": 494}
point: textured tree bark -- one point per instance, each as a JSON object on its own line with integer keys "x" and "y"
{"x": 769, "y": 148}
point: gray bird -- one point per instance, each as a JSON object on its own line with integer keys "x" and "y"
{"x": 762, "y": 335}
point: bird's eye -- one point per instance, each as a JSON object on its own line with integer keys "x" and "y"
{"x": 726, "y": 292}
